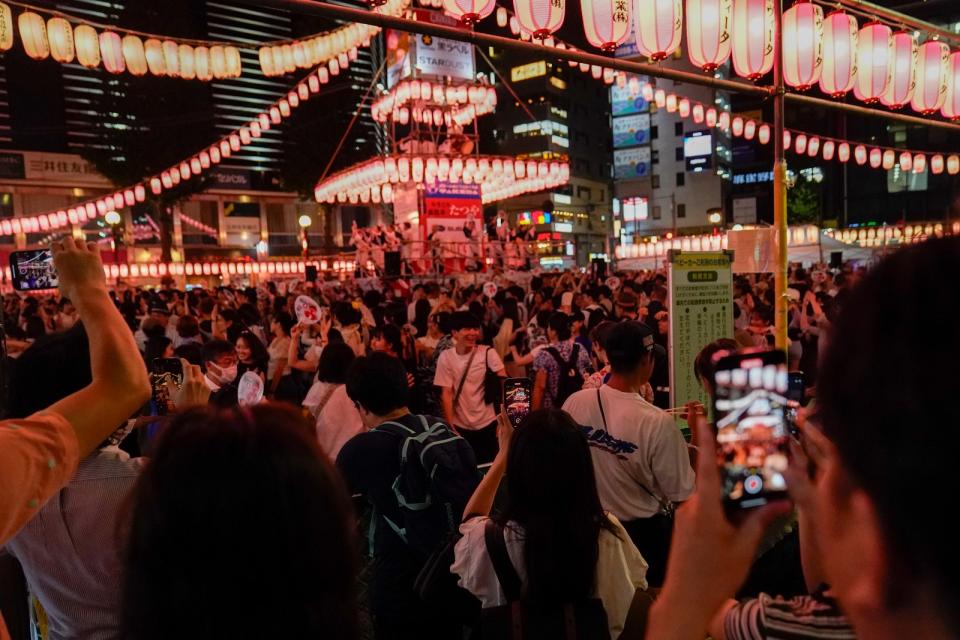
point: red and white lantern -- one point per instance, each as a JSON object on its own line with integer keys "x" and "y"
{"x": 930, "y": 92}
{"x": 754, "y": 32}
{"x": 539, "y": 18}
{"x": 874, "y": 62}
{"x": 469, "y": 12}
{"x": 659, "y": 24}
{"x": 606, "y": 23}
{"x": 802, "y": 45}
{"x": 951, "y": 106}
{"x": 708, "y": 32}
{"x": 839, "y": 54}
{"x": 903, "y": 71}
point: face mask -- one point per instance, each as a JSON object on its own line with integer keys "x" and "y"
{"x": 228, "y": 374}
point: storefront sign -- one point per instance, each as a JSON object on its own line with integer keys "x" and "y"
{"x": 527, "y": 71}
{"x": 630, "y": 131}
{"x": 63, "y": 168}
{"x": 631, "y": 163}
{"x": 623, "y": 103}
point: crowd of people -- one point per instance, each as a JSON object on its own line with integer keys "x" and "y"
{"x": 134, "y": 514}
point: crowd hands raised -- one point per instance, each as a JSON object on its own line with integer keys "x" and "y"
{"x": 593, "y": 519}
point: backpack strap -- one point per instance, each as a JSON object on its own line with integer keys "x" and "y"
{"x": 493, "y": 535}
{"x": 463, "y": 379}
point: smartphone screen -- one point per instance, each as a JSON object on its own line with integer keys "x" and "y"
{"x": 162, "y": 371}
{"x": 33, "y": 270}
{"x": 750, "y": 411}
{"x": 517, "y": 398}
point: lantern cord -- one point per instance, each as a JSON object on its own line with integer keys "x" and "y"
{"x": 507, "y": 85}
{"x": 353, "y": 121}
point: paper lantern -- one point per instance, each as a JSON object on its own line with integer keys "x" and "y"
{"x": 919, "y": 163}
{"x": 153, "y": 51}
{"x": 266, "y": 62}
{"x": 711, "y": 117}
{"x": 33, "y": 33}
{"x": 874, "y": 61}
{"x": 903, "y": 71}
{"x": 876, "y": 157}
{"x": 606, "y": 23}
{"x": 234, "y": 64}
{"x": 813, "y": 146}
{"x": 171, "y": 56}
{"x": 698, "y": 113}
{"x": 60, "y": 37}
{"x": 951, "y": 105}
{"x": 801, "y": 144}
{"x": 843, "y": 152}
{"x": 829, "y": 147}
{"x": 134, "y": 55}
{"x": 936, "y": 164}
{"x": 754, "y": 32}
{"x": 860, "y": 154}
{"x": 539, "y": 18}
{"x": 469, "y": 12}
{"x": 156, "y": 187}
{"x": 749, "y": 129}
{"x": 218, "y": 62}
{"x": 708, "y": 32}
{"x": 723, "y": 121}
{"x": 953, "y": 165}
{"x": 6, "y": 27}
{"x": 763, "y": 134}
{"x": 201, "y": 63}
{"x": 930, "y": 92}
{"x": 802, "y": 45}
{"x": 839, "y": 54}
{"x": 889, "y": 159}
{"x": 111, "y": 52}
{"x": 683, "y": 108}
{"x": 659, "y": 24}
{"x": 188, "y": 70}
{"x": 502, "y": 17}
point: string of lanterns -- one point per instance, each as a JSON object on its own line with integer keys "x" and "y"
{"x": 67, "y": 39}
{"x": 196, "y": 224}
{"x": 435, "y": 102}
{"x": 196, "y": 165}
{"x": 499, "y": 177}
{"x": 833, "y": 52}
{"x": 270, "y": 267}
{"x": 801, "y": 142}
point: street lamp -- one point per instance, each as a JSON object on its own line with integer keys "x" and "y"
{"x": 305, "y": 222}
{"x": 715, "y": 218}
{"x": 113, "y": 219}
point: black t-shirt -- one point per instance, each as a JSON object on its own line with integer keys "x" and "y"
{"x": 370, "y": 462}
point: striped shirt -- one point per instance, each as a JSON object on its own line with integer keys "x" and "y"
{"x": 815, "y": 616}
{"x": 70, "y": 552}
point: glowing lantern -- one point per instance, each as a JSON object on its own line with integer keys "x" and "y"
{"x": 951, "y": 106}
{"x": 860, "y": 154}
{"x": 828, "y": 149}
{"x": 469, "y": 11}
{"x": 502, "y": 17}
{"x": 6, "y": 27}
{"x": 708, "y": 32}
{"x": 155, "y": 186}
{"x": 802, "y": 45}
{"x": 606, "y": 23}
{"x": 889, "y": 158}
{"x": 801, "y": 144}
{"x": 749, "y": 130}
{"x": 660, "y": 97}
{"x": 723, "y": 121}
{"x": 266, "y": 62}
{"x": 153, "y": 50}
{"x": 903, "y": 71}
{"x": 135, "y": 55}
{"x": 953, "y": 165}
{"x": 936, "y": 164}
{"x": 839, "y": 54}
{"x": 218, "y": 62}
{"x": 201, "y": 62}
{"x": 33, "y": 32}
{"x": 763, "y": 134}
{"x": 843, "y": 152}
{"x": 876, "y": 157}
{"x": 754, "y": 31}
{"x": 813, "y": 146}
{"x": 234, "y": 64}
{"x": 787, "y": 137}
{"x": 874, "y": 61}
{"x": 540, "y": 18}
{"x": 683, "y": 108}
{"x": 139, "y": 193}
{"x": 659, "y": 25}
{"x": 60, "y": 37}
{"x": 111, "y": 51}
{"x": 171, "y": 56}
{"x": 188, "y": 69}
{"x": 931, "y": 79}
{"x": 737, "y": 126}
{"x": 711, "y": 117}
{"x": 919, "y": 163}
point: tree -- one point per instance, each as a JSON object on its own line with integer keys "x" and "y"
{"x": 803, "y": 202}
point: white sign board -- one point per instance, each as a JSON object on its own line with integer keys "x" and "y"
{"x": 745, "y": 211}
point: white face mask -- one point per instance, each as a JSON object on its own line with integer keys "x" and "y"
{"x": 221, "y": 375}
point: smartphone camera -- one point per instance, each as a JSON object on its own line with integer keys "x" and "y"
{"x": 751, "y": 425}
{"x": 33, "y": 270}
{"x": 162, "y": 372}
{"x": 517, "y": 399}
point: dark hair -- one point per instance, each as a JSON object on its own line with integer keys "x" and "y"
{"x": 258, "y": 352}
{"x": 390, "y": 333}
{"x": 703, "y": 367}
{"x": 155, "y": 347}
{"x": 560, "y": 323}
{"x": 192, "y": 352}
{"x": 599, "y": 333}
{"x": 444, "y": 321}
{"x": 230, "y": 502}
{"x": 624, "y": 346}
{"x": 460, "y": 320}
{"x": 422, "y": 310}
{"x": 552, "y": 494}
{"x": 511, "y": 310}
{"x": 206, "y": 305}
{"x": 378, "y": 383}
{"x": 216, "y": 348}
{"x": 890, "y": 366}
{"x": 345, "y": 314}
{"x": 188, "y": 327}
{"x": 230, "y": 315}
{"x": 285, "y": 320}
{"x": 54, "y": 366}
{"x": 335, "y": 361}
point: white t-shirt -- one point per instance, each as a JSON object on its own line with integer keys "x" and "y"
{"x": 279, "y": 349}
{"x": 337, "y": 422}
{"x": 621, "y": 570}
{"x": 470, "y": 412}
{"x": 641, "y": 445}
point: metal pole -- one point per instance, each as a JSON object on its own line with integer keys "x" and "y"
{"x": 779, "y": 191}
{"x": 898, "y": 18}
{"x": 348, "y": 14}
{"x": 875, "y": 113}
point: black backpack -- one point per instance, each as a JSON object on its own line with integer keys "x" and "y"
{"x": 569, "y": 381}
{"x": 517, "y": 620}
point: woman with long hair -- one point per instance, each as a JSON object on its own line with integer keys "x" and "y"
{"x": 252, "y": 355}
{"x": 561, "y": 542}
{"x": 239, "y": 528}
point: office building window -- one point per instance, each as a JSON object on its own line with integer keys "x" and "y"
{"x": 654, "y": 132}
{"x": 679, "y": 154}
{"x": 678, "y": 128}
{"x": 655, "y": 181}
{"x": 681, "y": 178}
{"x": 656, "y": 212}
{"x": 655, "y": 156}
{"x": 681, "y": 211}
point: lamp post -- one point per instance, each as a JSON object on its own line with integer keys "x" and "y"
{"x": 305, "y": 222}
{"x": 113, "y": 219}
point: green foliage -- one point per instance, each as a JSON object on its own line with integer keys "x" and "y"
{"x": 803, "y": 202}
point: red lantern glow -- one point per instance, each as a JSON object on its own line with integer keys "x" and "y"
{"x": 874, "y": 61}
{"x": 754, "y": 32}
{"x": 839, "y": 54}
{"x": 931, "y": 79}
{"x": 708, "y": 32}
{"x": 659, "y": 26}
{"x": 606, "y": 23}
{"x": 802, "y": 45}
{"x": 539, "y": 18}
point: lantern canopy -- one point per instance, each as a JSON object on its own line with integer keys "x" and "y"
{"x": 754, "y": 32}
{"x": 931, "y": 80}
{"x": 802, "y": 45}
{"x": 903, "y": 69}
{"x": 539, "y": 18}
{"x": 874, "y": 61}
{"x": 708, "y": 32}
{"x": 469, "y": 12}
{"x": 659, "y": 24}
{"x": 839, "y": 54}
{"x": 606, "y": 23}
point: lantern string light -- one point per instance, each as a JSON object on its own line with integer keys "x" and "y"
{"x": 198, "y": 163}
{"x": 196, "y": 224}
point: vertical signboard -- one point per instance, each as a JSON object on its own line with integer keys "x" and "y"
{"x": 701, "y": 311}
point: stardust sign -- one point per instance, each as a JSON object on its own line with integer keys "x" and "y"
{"x": 418, "y": 55}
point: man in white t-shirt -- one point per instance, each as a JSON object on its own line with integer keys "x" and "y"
{"x": 639, "y": 455}
{"x": 460, "y": 375}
